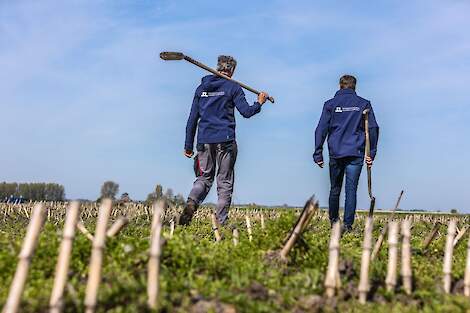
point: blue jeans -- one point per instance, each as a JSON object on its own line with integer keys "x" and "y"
{"x": 351, "y": 166}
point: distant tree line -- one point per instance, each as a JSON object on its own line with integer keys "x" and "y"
{"x": 32, "y": 191}
{"x": 167, "y": 195}
{"x": 110, "y": 190}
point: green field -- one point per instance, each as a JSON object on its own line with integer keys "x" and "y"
{"x": 199, "y": 275}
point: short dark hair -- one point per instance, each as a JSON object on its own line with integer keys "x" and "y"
{"x": 347, "y": 81}
{"x": 226, "y": 64}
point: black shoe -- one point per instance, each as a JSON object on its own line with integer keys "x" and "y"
{"x": 188, "y": 212}
{"x": 346, "y": 229}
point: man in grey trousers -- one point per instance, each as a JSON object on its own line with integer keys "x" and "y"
{"x": 212, "y": 114}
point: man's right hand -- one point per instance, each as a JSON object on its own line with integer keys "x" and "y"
{"x": 188, "y": 153}
{"x": 320, "y": 164}
{"x": 262, "y": 96}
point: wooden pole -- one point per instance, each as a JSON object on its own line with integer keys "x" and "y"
{"x": 467, "y": 272}
{"x": 154, "y": 260}
{"x": 235, "y": 236}
{"x": 383, "y": 232}
{"x": 448, "y": 253}
{"x": 248, "y": 227}
{"x": 215, "y": 228}
{"x": 391, "y": 279}
{"x": 379, "y": 242}
{"x": 460, "y": 234}
{"x": 333, "y": 261}
{"x": 117, "y": 226}
{"x": 172, "y": 228}
{"x": 406, "y": 272}
{"x": 430, "y": 237}
{"x": 63, "y": 261}
{"x": 29, "y": 245}
{"x": 366, "y": 250}
{"x": 310, "y": 208}
{"x": 262, "y": 221}
{"x": 84, "y": 231}
{"x": 96, "y": 260}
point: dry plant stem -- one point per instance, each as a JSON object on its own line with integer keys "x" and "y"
{"x": 406, "y": 272}
{"x": 391, "y": 279}
{"x": 460, "y": 234}
{"x": 262, "y": 221}
{"x": 235, "y": 236}
{"x": 431, "y": 236}
{"x": 117, "y": 226}
{"x": 467, "y": 272}
{"x": 154, "y": 260}
{"x": 248, "y": 228}
{"x": 62, "y": 267}
{"x": 449, "y": 250}
{"x": 215, "y": 228}
{"x": 333, "y": 261}
{"x": 366, "y": 250}
{"x": 301, "y": 224}
{"x": 27, "y": 251}
{"x": 96, "y": 260}
{"x": 84, "y": 231}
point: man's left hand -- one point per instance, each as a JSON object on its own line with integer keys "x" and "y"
{"x": 369, "y": 161}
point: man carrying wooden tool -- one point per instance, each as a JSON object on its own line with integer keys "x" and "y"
{"x": 342, "y": 121}
{"x": 212, "y": 114}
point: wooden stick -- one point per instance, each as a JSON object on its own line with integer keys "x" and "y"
{"x": 379, "y": 242}
{"x": 84, "y": 231}
{"x": 430, "y": 237}
{"x": 333, "y": 261}
{"x": 448, "y": 253}
{"x": 235, "y": 236}
{"x": 215, "y": 228}
{"x": 248, "y": 228}
{"x": 366, "y": 250}
{"x": 29, "y": 245}
{"x": 460, "y": 234}
{"x": 62, "y": 267}
{"x": 73, "y": 294}
{"x": 383, "y": 232}
{"x": 154, "y": 259}
{"x": 172, "y": 228}
{"x": 406, "y": 272}
{"x": 262, "y": 221}
{"x": 467, "y": 272}
{"x": 391, "y": 279}
{"x": 117, "y": 226}
{"x": 96, "y": 260}
{"x": 310, "y": 208}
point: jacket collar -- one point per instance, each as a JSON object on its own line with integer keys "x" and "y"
{"x": 345, "y": 92}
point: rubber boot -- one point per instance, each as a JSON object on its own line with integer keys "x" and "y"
{"x": 188, "y": 212}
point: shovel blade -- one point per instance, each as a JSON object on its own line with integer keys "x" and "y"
{"x": 171, "y": 56}
{"x": 372, "y": 207}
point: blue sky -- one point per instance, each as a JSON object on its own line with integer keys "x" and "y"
{"x": 85, "y": 98}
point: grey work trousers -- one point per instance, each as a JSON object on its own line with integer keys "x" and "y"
{"x": 215, "y": 160}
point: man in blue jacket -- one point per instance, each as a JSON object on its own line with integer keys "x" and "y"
{"x": 212, "y": 114}
{"x": 342, "y": 121}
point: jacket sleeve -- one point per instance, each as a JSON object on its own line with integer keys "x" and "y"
{"x": 321, "y": 132}
{"x": 242, "y": 105}
{"x": 191, "y": 125}
{"x": 373, "y": 133}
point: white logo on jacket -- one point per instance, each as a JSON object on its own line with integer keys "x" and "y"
{"x": 350, "y": 109}
{"x": 206, "y": 94}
